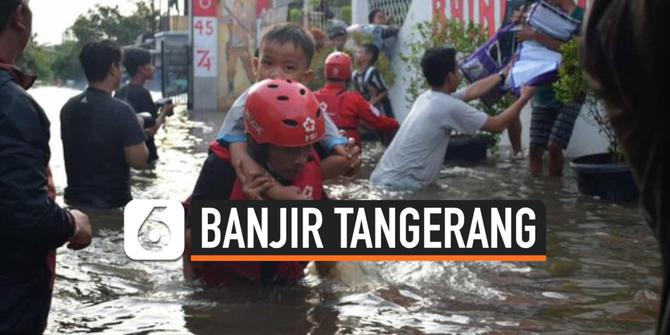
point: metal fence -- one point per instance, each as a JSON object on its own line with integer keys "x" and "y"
{"x": 397, "y": 8}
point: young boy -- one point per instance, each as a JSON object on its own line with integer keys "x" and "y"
{"x": 414, "y": 158}
{"x": 279, "y": 146}
{"x": 286, "y": 51}
{"x": 337, "y": 37}
{"x": 368, "y": 81}
{"x": 348, "y": 109}
{"x": 138, "y": 65}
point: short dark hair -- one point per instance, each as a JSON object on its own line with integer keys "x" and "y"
{"x": 291, "y": 33}
{"x": 372, "y": 14}
{"x": 337, "y": 31}
{"x": 134, "y": 59}
{"x": 436, "y": 63}
{"x": 7, "y": 7}
{"x": 97, "y": 57}
{"x": 371, "y": 49}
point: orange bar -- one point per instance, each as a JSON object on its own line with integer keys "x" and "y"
{"x": 456, "y": 258}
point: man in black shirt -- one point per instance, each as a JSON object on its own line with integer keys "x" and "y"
{"x": 102, "y": 136}
{"x": 138, "y": 65}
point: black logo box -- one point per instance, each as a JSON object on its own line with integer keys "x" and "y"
{"x": 330, "y": 229}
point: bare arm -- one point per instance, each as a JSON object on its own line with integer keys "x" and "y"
{"x": 497, "y": 124}
{"x": 249, "y": 172}
{"x": 137, "y": 156}
{"x": 477, "y": 89}
{"x": 377, "y": 97}
{"x": 160, "y": 120}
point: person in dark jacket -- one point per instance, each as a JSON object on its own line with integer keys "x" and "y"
{"x": 32, "y": 225}
{"x": 625, "y": 52}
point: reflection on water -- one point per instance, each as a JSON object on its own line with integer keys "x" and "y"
{"x": 602, "y": 274}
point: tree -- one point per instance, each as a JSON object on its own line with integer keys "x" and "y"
{"x": 36, "y": 60}
{"x": 101, "y": 22}
{"x": 106, "y": 22}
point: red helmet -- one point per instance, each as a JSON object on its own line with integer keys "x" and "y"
{"x": 284, "y": 113}
{"x": 338, "y": 66}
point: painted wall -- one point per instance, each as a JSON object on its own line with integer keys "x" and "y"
{"x": 586, "y": 138}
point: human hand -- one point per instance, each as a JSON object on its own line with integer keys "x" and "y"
{"x": 517, "y": 16}
{"x": 82, "y": 236}
{"x": 509, "y": 65}
{"x": 352, "y": 152}
{"x": 526, "y": 34}
{"x": 168, "y": 109}
{"x": 281, "y": 192}
{"x": 527, "y": 92}
{"x": 254, "y": 181}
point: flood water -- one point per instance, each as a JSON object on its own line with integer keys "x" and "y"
{"x": 602, "y": 275}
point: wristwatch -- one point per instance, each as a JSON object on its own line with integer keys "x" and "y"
{"x": 502, "y": 75}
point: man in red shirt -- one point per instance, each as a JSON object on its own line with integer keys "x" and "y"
{"x": 346, "y": 108}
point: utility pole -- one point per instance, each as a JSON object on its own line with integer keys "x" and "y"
{"x": 153, "y": 17}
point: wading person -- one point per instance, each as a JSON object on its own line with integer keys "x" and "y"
{"x": 283, "y": 121}
{"x": 286, "y": 51}
{"x": 551, "y": 121}
{"x": 625, "y": 52}
{"x": 138, "y": 65}
{"x": 32, "y": 225}
{"x": 102, "y": 136}
{"x": 415, "y": 156}
{"x": 348, "y": 109}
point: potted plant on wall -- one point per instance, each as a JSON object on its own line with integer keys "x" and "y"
{"x": 603, "y": 174}
{"x": 465, "y": 38}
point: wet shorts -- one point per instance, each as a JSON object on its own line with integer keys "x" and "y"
{"x": 553, "y": 124}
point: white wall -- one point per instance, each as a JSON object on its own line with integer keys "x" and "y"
{"x": 585, "y": 139}
{"x": 359, "y": 11}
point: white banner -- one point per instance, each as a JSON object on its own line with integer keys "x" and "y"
{"x": 205, "y": 47}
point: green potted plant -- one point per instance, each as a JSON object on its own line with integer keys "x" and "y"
{"x": 465, "y": 38}
{"x": 603, "y": 174}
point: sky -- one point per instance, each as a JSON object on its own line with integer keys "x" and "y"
{"x": 52, "y": 17}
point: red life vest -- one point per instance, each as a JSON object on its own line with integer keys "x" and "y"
{"x": 310, "y": 182}
{"x": 333, "y": 99}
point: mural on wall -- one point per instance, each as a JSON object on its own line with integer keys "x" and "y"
{"x": 237, "y": 42}
{"x": 488, "y": 13}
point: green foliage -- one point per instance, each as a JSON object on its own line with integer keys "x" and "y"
{"x": 345, "y": 14}
{"x": 37, "y": 61}
{"x": 106, "y": 22}
{"x": 295, "y": 15}
{"x": 101, "y": 22}
{"x": 572, "y": 87}
{"x": 66, "y": 64}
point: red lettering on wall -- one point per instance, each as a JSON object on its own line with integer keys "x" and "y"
{"x": 487, "y": 16}
{"x": 457, "y": 9}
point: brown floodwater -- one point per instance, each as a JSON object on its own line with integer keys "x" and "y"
{"x": 602, "y": 275}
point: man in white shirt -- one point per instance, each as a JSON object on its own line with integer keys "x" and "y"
{"x": 414, "y": 158}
